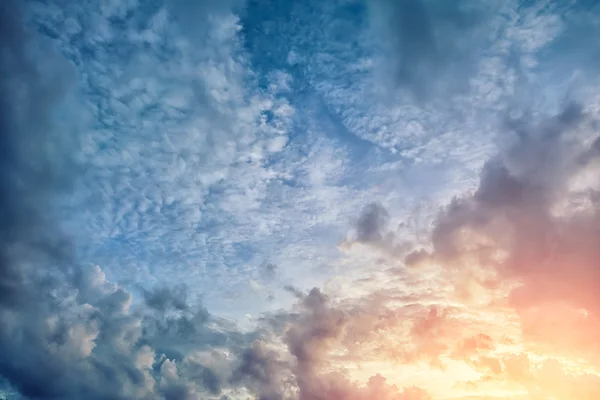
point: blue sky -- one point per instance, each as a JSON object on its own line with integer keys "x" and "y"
{"x": 229, "y": 156}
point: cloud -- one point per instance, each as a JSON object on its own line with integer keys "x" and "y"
{"x": 163, "y": 298}
{"x": 546, "y": 378}
{"x": 45, "y": 336}
{"x": 28, "y": 173}
{"x": 89, "y": 342}
{"x": 264, "y": 372}
{"x": 199, "y": 176}
{"x": 523, "y": 225}
{"x": 426, "y": 45}
{"x": 371, "y": 223}
{"x": 307, "y": 370}
{"x": 371, "y": 228}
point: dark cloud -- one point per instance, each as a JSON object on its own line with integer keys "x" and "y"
{"x": 308, "y": 338}
{"x": 529, "y": 224}
{"x": 176, "y": 336}
{"x": 263, "y": 371}
{"x": 63, "y": 349}
{"x": 312, "y": 332}
{"x": 27, "y": 174}
{"x": 372, "y": 223}
{"x": 165, "y": 298}
{"x": 371, "y": 228}
{"x": 269, "y": 271}
{"x": 428, "y": 45}
{"x": 65, "y": 332}
{"x": 32, "y": 335}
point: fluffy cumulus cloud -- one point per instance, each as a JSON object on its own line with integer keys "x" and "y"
{"x": 303, "y": 200}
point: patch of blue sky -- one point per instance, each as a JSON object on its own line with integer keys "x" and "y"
{"x": 579, "y": 59}
{"x": 282, "y": 29}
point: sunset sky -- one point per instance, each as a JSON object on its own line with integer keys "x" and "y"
{"x": 300, "y": 199}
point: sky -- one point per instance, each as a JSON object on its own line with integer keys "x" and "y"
{"x": 299, "y": 200}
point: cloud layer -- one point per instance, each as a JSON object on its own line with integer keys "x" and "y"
{"x": 299, "y": 200}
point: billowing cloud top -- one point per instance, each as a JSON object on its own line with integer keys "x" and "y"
{"x": 299, "y": 200}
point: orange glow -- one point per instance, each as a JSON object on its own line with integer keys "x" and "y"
{"x": 483, "y": 342}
